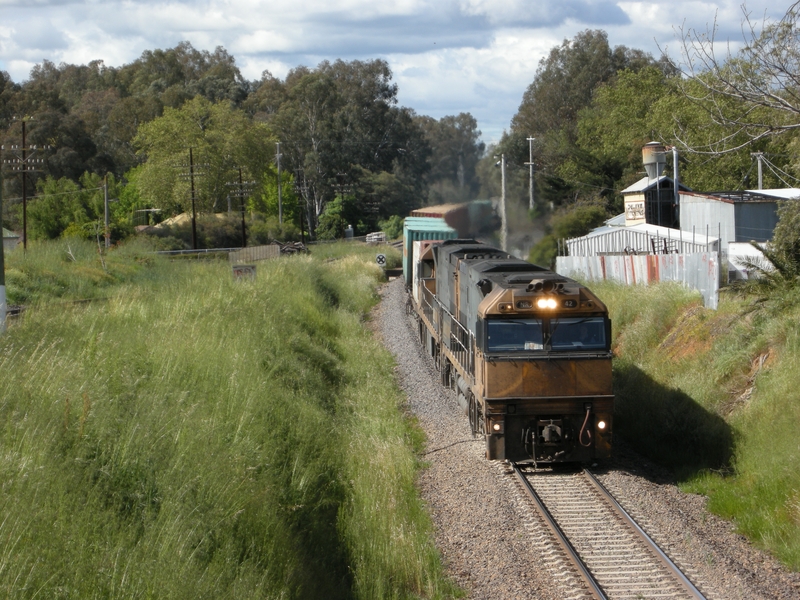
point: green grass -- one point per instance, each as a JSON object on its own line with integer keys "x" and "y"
{"x": 713, "y": 395}
{"x": 199, "y": 437}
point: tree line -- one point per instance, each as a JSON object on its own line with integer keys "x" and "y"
{"x": 350, "y": 154}
{"x": 183, "y": 119}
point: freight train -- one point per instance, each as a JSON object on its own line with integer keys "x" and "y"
{"x": 526, "y": 350}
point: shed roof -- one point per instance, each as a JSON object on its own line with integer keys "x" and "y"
{"x": 645, "y": 183}
{"x": 737, "y": 197}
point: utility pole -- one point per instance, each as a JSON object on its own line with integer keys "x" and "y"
{"x": 241, "y": 206}
{"x": 503, "y": 217}
{"x": 2, "y": 265}
{"x": 194, "y": 212}
{"x": 676, "y": 186}
{"x": 530, "y": 164}
{"x": 243, "y": 189}
{"x": 105, "y": 202}
{"x": 759, "y": 156}
{"x": 24, "y": 164}
{"x": 280, "y": 203}
{"x": 191, "y": 175}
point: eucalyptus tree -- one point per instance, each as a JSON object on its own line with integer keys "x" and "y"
{"x": 751, "y": 95}
{"x": 221, "y": 141}
{"x": 340, "y": 123}
{"x": 456, "y": 150}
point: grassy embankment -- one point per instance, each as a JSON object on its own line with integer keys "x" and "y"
{"x": 197, "y": 437}
{"x": 715, "y": 395}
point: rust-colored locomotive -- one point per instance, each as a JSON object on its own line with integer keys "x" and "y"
{"x": 526, "y": 350}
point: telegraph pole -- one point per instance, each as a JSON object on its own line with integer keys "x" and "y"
{"x": 243, "y": 189}
{"x": 280, "y": 203}
{"x": 105, "y": 203}
{"x": 530, "y": 164}
{"x": 503, "y": 218}
{"x": 2, "y": 265}
{"x": 194, "y": 212}
{"x": 24, "y": 164}
{"x": 241, "y": 205}
{"x": 759, "y": 156}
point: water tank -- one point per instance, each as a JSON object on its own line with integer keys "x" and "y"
{"x": 654, "y": 156}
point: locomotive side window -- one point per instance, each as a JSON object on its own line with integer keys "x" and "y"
{"x": 514, "y": 335}
{"x": 578, "y": 334}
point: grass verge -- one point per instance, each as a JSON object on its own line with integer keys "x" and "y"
{"x": 199, "y": 437}
{"x": 713, "y": 395}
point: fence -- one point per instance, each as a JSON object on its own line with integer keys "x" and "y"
{"x": 699, "y": 271}
{"x": 254, "y": 253}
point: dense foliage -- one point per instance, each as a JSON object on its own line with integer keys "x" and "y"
{"x": 349, "y": 150}
{"x": 173, "y": 112}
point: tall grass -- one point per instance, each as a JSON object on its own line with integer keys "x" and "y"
{"x": 713, "y": 395}
{"x": 199, "y": 437}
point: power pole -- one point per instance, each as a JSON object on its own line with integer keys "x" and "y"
{"x": 191, "y": 176}
{"x": 759, "y": 156}
{"x": 503, "y": 217}
{"x": 105, "y": 202}
{"x": 194, "y": 212}
{"x": 242, "y": 190}
{"x": 530, "y": 164}
{"x": 2, "y": 265}
{"x": 280, "y": 203}
{"x": 24, "y": 164}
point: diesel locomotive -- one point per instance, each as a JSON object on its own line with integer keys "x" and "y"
{"x": 526, "y": 350}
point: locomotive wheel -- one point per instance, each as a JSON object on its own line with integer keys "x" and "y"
{"x": 473, "y": 415}
{"x": 444, "y": 372}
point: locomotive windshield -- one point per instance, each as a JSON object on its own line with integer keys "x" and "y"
{"x": 514, "y": 335}
{"x": 553, "y": 335}
{"x": 578, "y": 334}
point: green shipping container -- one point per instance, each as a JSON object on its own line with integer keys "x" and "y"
{"x": 422, "y": 228}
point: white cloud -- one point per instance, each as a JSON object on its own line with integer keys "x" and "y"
{"x": 448, "y": 56}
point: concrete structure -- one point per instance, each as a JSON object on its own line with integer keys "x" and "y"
{"x": 10, "y": 240}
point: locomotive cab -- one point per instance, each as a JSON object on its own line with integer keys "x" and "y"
{"x": 545, "y": 373}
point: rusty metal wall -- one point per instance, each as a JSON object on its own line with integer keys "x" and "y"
{"x": 699, "y": 271}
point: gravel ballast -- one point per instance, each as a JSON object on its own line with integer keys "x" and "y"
{"x": 489, "y": 537}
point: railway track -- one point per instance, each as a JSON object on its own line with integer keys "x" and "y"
{"x": 613, "y": 557}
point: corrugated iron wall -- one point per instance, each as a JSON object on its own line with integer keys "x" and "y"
{"x": 699, "y": 271}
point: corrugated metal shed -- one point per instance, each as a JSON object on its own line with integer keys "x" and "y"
{"x": 739, "y": 216}
{"x": 640, "y": 239}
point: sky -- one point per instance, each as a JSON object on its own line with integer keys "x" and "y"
{"x": 446, "y": 56}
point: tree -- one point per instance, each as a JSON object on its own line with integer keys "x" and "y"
{"x": 338, "y": 123}
{"x": 565, "y": 84}
{"x": 455, "y": 151}
{"x": 222, "y": 141}
{"x": 751, "y": 96}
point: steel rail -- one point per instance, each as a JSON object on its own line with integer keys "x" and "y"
{"x": 665, "y": 560}
{"x": 562, "y": 539}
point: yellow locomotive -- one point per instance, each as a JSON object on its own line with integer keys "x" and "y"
{"x": 526, "y": 350}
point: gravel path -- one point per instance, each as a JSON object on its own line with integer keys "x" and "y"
{"x": 486, "y": 531}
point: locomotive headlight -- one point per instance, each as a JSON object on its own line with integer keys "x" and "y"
{"x": 601, "y": 425}
{"x": 496, "y": 427}
{"x": 546, "y": 303}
